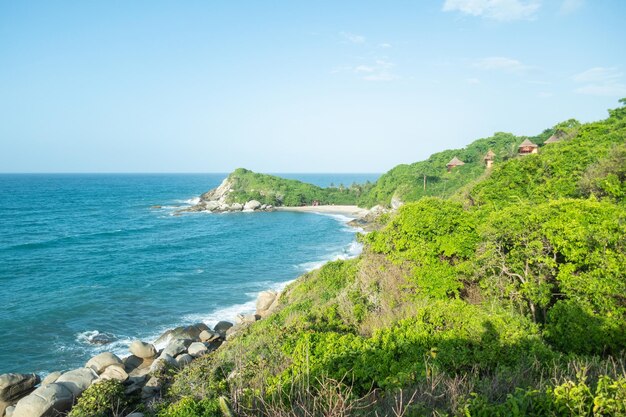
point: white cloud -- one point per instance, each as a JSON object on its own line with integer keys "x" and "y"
{"x": 498, "y": 63}
{"x": 502, "y": 10}
{"x": 570, "y": 6}
{"x": 601, "y": 81}
{"x": 598, "y": 74}
{"x": 379, "y": 70}
{"x": 352, "y": 38}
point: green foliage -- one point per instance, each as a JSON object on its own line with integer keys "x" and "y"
{"x": 270, "y": 189}
{"x": 191, "y": 407}
{"x": 607, "y": 177}
{"x": 102, "y": 399}
{"x": 571, "y": 398}
{"x": 437, "y": 237}
{"x": 449, "y": 336}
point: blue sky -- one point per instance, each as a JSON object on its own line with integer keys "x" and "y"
{"x": 293, "y": 86}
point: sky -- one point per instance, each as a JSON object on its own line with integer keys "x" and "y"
{"x": 293, "y": 86}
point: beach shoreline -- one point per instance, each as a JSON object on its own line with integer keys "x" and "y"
{"x": 345, "y": 210}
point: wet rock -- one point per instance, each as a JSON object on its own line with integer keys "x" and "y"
{"x": 15, "y": 386}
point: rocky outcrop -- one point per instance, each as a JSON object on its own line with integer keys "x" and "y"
{"x": 100, "y": 362}
{"x": 142, "y": 350}
{"x": 77, "y": 380}
{"x": 218, "y": 201}
{"x": 45, "y": 401}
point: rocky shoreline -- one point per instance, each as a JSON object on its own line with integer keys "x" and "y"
{"x": 27, "y": 395}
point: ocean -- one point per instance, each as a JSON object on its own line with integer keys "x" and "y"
{"x": 88, "y": 257}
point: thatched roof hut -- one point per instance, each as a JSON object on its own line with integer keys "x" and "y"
{"x": 527, "y": 147}
{"x": 489, "y": 157}
{"x": 556, "y": 137}
{"x": 454, "y": 162}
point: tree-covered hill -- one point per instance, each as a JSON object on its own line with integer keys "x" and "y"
{"x": 507, "y": 298}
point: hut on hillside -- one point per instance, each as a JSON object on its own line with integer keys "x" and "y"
{"x": 527, "y": 147}
{"x": 489, "y": 158}
{"x": 557, "y": 137}
{"x": 454, "y": 162}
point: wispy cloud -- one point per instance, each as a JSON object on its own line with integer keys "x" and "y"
{"x": 501, "y": 10}
{"x": 499, "y": 63}
{"x": 601, "y": 81}
{"x": 352, "y": 37}
{"x": 379, "y": 70}
{"x": 570, "y": 6}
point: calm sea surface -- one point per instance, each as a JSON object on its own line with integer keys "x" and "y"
{"x": 84, "y": 257}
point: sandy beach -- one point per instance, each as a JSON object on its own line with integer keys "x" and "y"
{"x": 350, "y": 211}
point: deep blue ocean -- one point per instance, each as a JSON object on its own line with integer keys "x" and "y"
{"x": 86, "y": 256}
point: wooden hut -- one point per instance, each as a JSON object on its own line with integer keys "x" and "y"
{"x": 557, "y": 137}
{"x": 489, "y": 158}
{"x": 527, "y": 147}
{"x": 454, "y": 162}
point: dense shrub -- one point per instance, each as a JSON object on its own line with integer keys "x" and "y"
{"x": 191, "y": 407}
{"x": 102, "y": 399}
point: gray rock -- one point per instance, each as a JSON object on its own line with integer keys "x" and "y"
{"x": 151, "y": 389}
{"x": 114, "y": 372}
{"x": 8, "y": 412}
{"x": 236, "y": 207}
{"x": 396, "y": 203}
{"x": 211, "y": 205}
{"x": 222, "y": 326}
{"x": 50, "y": 378}
{"x": 176, "y": 347}
{"x": 102, "y": 361}
{"x": 208, "y": 336}
{"x": 252, "y": 205}
{"x": 247, "y": 318}
{"x": 163, "y": 362}
{"x": 184, "y": 360}
{"x": 142, "y": 350}
{"x": 45, "y": 401}
{"x": 183, "y": 332}
{"x": 230, "y": 333}
{"x": 265, "y": 300}
{"x": 197, "y": 349}
{"x": 15, "y": 386}
{"x": 77, "y": 380}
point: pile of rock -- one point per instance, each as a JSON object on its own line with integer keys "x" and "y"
{"x": 214, "y": 206}
{"x": 25, "y": 395}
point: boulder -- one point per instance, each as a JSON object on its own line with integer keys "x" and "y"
{"x": 247, "y": 318}
{"x": 8, "y": 412}
{"x": 208, "y": 336}
{"x": 50, "y": 378}
{"x": 132, "y": 363}
{"x": 222, "y": 326}
{"x": 183, "y": 332}
{"x": 45, "y": 401}
{"x": 114, "y": 372}
{"x": 176, "y": 347}
{"x": 151, "y": 389}
{"x": 102, "y": 361}
{"x": 77, "y": 380}
{"x": 232, "y": 331}
{"x": 142, "y": 350}
{"x": 265, "y": 300}
{"x": 252, "y": 205}
{"x": 211, "y": 205}
{"x": 164, "y": 361}
{"x": 15, "y": 386}
{"x": 184, "y": 360}
{"x": 197, "y": 349}
{"x": 236, "y": 207}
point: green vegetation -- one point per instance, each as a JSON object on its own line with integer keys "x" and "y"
{"x": 505, "y": 298}
{"x": 103, "y": 399}
{"x": 269, "y": 189}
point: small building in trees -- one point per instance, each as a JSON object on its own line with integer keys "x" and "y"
{"x": 527, "y": 147}
{"x": 556, "y": 137}
{"x": 489, "y": 158}
{"x": 454, "y": 162}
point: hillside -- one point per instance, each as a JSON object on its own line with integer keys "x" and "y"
{"x": 507, "y": 298}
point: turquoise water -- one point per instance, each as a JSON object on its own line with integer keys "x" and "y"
{"x": 84, "y": 257}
